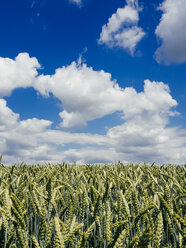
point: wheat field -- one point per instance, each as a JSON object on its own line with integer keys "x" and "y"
{"x": 104, "y": 206}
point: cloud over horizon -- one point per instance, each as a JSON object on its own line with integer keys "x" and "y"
{"x": 142, "y": 135}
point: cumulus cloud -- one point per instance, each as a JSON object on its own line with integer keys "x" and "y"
{"x": 146, "y": 106}
{"x": 86, "y": 95}
{"x": 19, "y": 138}
{"x": 33, "y": 140}
{"x": 172, "y": 33}
{"x": 122, "y": 28}
{"x": 8, "y": 118}
{"x": 20, "y": 72}
{"x": 95, "y": 95}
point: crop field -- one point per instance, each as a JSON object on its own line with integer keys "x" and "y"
{"x": 104, "y": 206}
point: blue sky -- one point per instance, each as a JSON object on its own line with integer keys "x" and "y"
{"x": 93, "y": 81}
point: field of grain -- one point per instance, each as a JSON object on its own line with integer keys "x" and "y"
{"x": 100, "y": 206}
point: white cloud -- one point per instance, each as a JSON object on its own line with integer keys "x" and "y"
{"x": 32, "y": 140}
{"x": 146, "y": 106}
{"x": 122, "y": 29}
{"x": 172, "y": 33}
{"x": 86, "y": 95}
{"x": 20, "y": 72}
{"x": 78, "y": 2}
{"x": 77, "y": 86}
{"x": 19, "y": 137}
{"x": 8, "y": 119}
